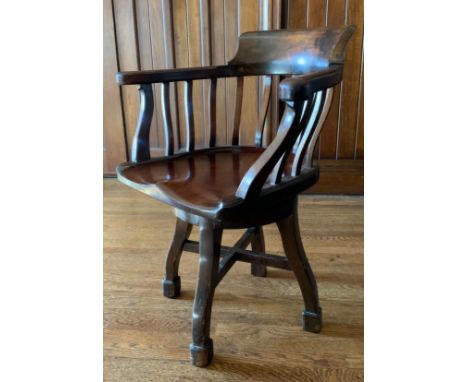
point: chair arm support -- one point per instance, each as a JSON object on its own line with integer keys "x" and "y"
{"x": 301, "y": 88}
{"x": 255, "y": 177}
{"x": 181, "y": 74}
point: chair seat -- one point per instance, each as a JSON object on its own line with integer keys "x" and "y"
{"x": 203, "y": 179}
{"x": 201, "y": 182}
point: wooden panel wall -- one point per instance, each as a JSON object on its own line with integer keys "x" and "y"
{"x": 158, "y": 34}
{"x": 342, "y": 136}
{"x": 114, "y": 133}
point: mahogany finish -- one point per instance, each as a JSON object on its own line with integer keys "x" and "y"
{"x": 240, "y": 186}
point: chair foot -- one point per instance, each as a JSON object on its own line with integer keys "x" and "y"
{"x": 312, "y": 321}
{"x": 201, "y": 355}
{"x": 171, "y": 288}
{"x": 258, "y": 270}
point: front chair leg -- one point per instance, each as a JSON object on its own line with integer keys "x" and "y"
{"x": 171, "y": 282}
{"x": 292, "y": 243}
{"x": 258, "y": 245}
{"x": 201, "y": 348}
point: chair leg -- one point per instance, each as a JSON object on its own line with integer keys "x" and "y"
{"x": 201, "y": 348}
{"x": 292, "y": 243}
{"x": 258, "y": 245}
{"x": 171, "y": 281}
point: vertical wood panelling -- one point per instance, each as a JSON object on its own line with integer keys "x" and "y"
{"x": 127, "y": 48}
{"x": 114, "y": 135}
{"x": 336, "y": 13}
{"x": 230, "y": 32}
{"x": 265, "y": 22}
{"x": 217, "y": 58}
{"x": 195, "y": 59}
{"x": 146, "y": 62}
{"x": 340, "y": 137}
{"x": 351, "y": 78}
{"x": 360, "y": 129}
{"x": 274, "y": 108}
{"x": 158, "y": 34}
{"x": 170, "y": 59}
{"x": 205, "y": 49}
{"x": 316, "y": 17}
{"x": 297, "y": 14}
{"x": 179, "y": 12}
{"x": 316, "y": 13}
{"x": 248, "y": 21}
{"x": 157, "y": 16}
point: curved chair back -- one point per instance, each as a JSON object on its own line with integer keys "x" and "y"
{"x": 312, "y": 60}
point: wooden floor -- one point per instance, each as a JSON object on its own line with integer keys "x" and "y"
{"x": 256, "y": 322}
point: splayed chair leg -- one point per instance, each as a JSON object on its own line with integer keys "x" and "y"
{"x": 201, "y": 348}
{"x": 171, "y": 282}
{"x": 258, "y": 245}
{"x": 292, "y": 243}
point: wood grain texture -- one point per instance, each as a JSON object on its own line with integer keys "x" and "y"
{"x": 359, "y": 153}
{"x": 179, "y": 12}
{"x": 343, "y": 176}
{"x": 195, "y": 54}
{"x": 157, "y": 34}
{"x": 256, "y": 322}
{"x": 145, "y": 48}
{"x": 339, "y": 138}
{"x": 297, "y": 14}
{"x": 248, "y": 21}
{"x": 218, "y": 58}
{"x": 115, "y": 150}
{"x": 336, "y": 14}
{"x": 127, "y": 48}
{"x": 351, "y": 78}
{"x": 231, "y": 34}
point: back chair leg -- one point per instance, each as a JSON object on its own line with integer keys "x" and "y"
{"x": 201, "y": 348}
{"x": 171, "y": 282}
{"x": 258, "y": 245}
{"x": 292, "y": 243}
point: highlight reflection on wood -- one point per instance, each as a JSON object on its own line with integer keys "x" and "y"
{"x": 256, "y": 323}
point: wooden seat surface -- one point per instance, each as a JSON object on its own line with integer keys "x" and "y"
{"x": 203, "y": 179}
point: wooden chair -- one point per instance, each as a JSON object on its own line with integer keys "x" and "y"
{"x": 240, "y": 186}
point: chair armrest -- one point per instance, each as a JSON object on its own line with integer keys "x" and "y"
{"x": 303, "y": 87}
{"x": 181, "y": 74}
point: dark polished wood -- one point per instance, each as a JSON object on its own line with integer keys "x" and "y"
{"x": 258, "y": 246}
{"x": 171, "y": 281}
{"x": 189, "y": 120}
{"x": 292, "y": 243}
{"x": 238, "y": 110}
{"x": 166, "y": 112}
{"x": 140, "y": 146}
{"x": 201, "y": 348}
{"x": 241, "y": 186}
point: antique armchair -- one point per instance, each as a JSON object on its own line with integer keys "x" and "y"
{"x": 240, "y": 186}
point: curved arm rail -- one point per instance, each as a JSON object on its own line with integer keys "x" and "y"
{"x": 300, "y": 88}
